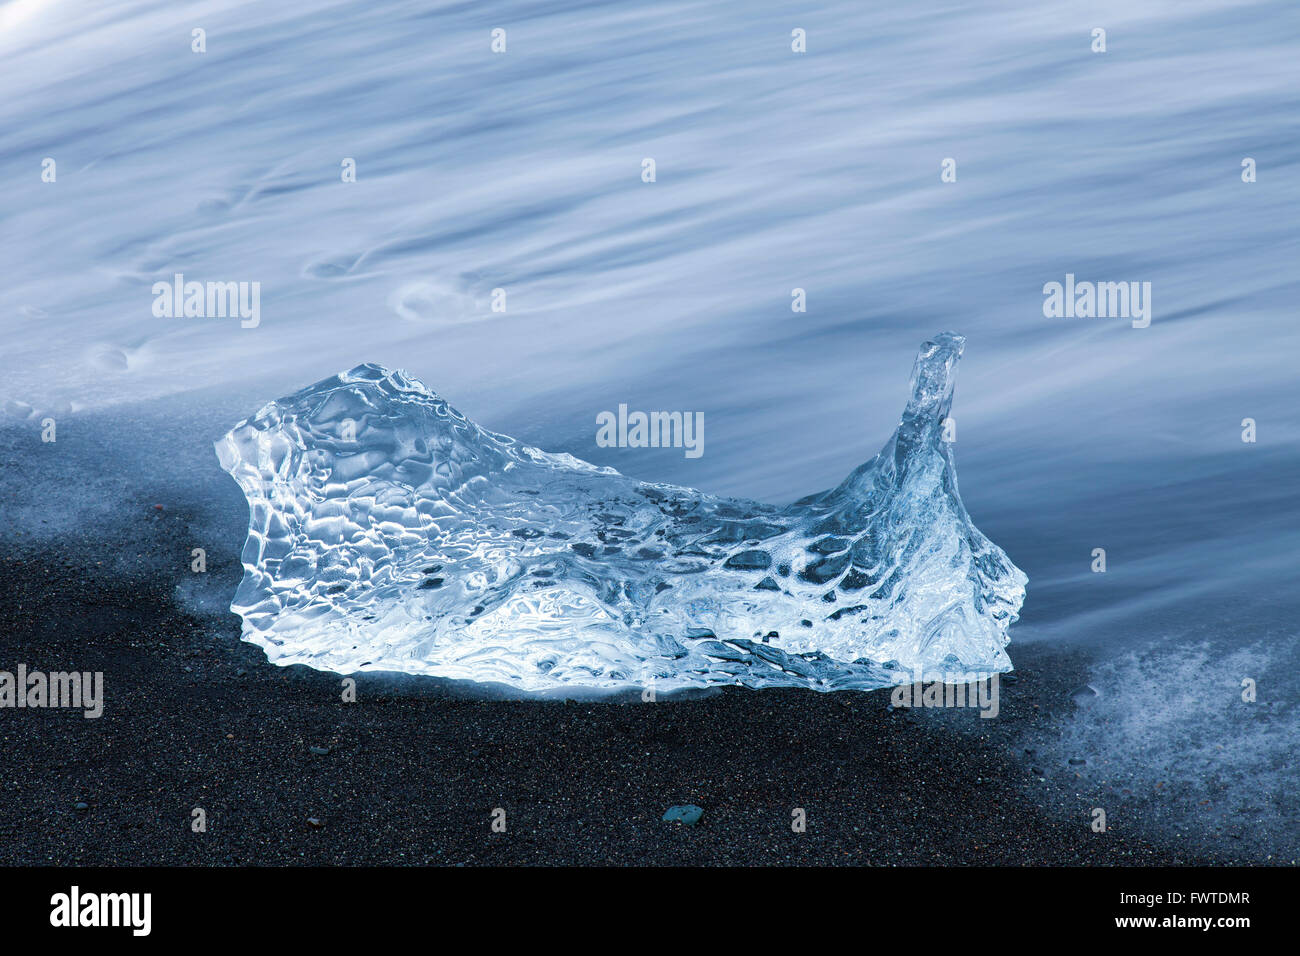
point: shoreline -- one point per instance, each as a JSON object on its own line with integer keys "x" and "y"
{"x": 411, "y": 772}
{"x": 96, "y": 577}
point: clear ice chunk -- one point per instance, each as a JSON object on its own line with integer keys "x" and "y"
{"x": 388, "y": 532}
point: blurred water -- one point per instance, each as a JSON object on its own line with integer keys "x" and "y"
{"x": 775, "y": 170}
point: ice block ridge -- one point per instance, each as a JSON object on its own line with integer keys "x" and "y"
{"x": 388, "y": 532}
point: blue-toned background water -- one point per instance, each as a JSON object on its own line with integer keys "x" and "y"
{"x": 775, "y": 171}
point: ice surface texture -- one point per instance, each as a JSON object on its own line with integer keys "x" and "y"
{"x": 389, "y": 532}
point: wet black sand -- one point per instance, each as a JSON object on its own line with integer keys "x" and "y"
{"x": 195, "y": 718}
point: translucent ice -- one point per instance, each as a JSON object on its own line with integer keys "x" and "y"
{"x": 389, "y": 532}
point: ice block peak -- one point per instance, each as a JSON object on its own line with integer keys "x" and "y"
{"x": 389, "y": 532}
{"x": 932, "y": 376}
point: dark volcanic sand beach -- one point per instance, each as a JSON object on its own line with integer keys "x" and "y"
{"x": 194, "y": 717}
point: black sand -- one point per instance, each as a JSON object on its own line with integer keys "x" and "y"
{"x": 195, "y": 718}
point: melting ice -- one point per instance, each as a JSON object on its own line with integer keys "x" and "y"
{"x": 388, "y": 532}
